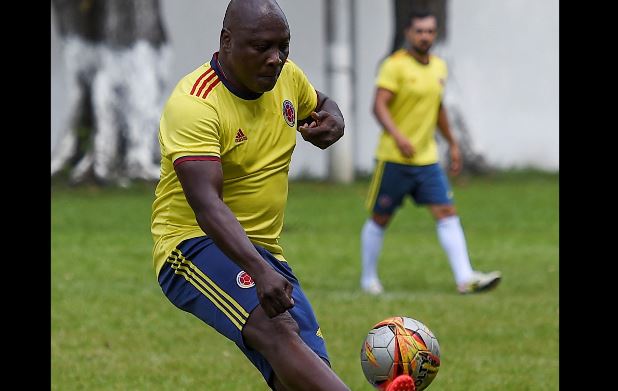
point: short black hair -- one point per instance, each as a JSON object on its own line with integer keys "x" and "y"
{"x": 419, "y": 14}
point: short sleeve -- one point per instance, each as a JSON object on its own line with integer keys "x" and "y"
{"x": 387, "y": 76}
{"x": 189, "y": 127}
{"x": 307, "y": 95}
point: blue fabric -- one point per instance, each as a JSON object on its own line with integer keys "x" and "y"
{"x": 427, "y": 185}
{"x": 221, "y": 276}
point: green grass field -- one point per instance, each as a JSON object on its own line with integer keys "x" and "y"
{"x": 113, "y": 329}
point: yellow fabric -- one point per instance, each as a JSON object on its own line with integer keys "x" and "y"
{"x": 374, "y": 186}
{"x": 254, "y": 141}
{"x": 418, "y": 91}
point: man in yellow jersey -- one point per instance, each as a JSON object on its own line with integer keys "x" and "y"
{"x": 408, "y": 104}
{"x": 226, "y": 134}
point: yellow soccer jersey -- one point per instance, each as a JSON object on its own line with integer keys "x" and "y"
{"x": 418, "y": 92}
{"x": 253, "y": 135}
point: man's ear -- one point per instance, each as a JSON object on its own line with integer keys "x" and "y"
{"x": 225, "y": 40}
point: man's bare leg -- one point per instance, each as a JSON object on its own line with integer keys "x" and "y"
{"x": 296, "y": 366}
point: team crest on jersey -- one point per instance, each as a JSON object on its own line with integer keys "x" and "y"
{"x": 289, "y": 113}
{"x": 244, "y": 280}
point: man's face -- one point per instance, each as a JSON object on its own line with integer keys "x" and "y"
{"x": 258, "y": 52}
{"x": 422, "y": 33}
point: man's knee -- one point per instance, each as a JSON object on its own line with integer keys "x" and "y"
{"x": 261, "y": 332}
{"x": 440, "y": 212}
{"x": 381, "y": 219}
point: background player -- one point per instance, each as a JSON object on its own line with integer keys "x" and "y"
{"x": 408, "y": 104}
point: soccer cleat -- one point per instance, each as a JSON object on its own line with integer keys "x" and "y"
{"x": 373, "y": 288}
{"x": 480, "y": 282}
{"x": 402, "y": 383}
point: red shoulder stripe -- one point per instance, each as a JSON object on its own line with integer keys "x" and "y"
{"x": 209, "y": 78}
{"x": 200, "y": 79}
{"x": 214, "y": 83}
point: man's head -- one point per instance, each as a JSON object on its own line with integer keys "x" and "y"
{"x": 254, "y": 43}
{"x": 421, "y": 31}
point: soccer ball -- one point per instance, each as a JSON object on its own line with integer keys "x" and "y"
{"x": 397, "y": 346}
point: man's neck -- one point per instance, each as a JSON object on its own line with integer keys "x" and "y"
{"x": 422, "y": 58}
{"x": 229, "y": 75}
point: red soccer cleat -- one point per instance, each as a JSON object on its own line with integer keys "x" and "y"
{"x": 402, "y": 383}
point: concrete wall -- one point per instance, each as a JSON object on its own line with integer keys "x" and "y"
{"x": 503, "y": 59}
{"x": 374, "y": 32}
{"x": 504, "y": 68}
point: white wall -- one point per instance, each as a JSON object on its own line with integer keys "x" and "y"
{"x": 503, "y": 59}
{"x": 374, "y": 33}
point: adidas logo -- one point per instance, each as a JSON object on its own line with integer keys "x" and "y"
{"x": 240, "y": 137}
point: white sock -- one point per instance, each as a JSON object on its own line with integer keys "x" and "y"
{"x": 372, "y": 237}
{"x": 453, "y": 242}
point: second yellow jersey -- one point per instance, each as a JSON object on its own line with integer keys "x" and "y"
{"x": 418, "y": 91}
{"x": 253, "y": 135}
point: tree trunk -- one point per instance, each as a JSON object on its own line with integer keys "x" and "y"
{"x": 116, "y": 58}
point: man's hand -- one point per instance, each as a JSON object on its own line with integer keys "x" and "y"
{"x": 324, "y": 130}
{"x": 274, "y": 292}
{"x": 405, "y": 146}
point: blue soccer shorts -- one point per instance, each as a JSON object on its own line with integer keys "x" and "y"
{"x": 198, "y": 278}
{"x": 427, "y": 185}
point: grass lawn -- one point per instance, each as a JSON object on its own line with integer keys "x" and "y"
{"x": 113, "y": 329}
